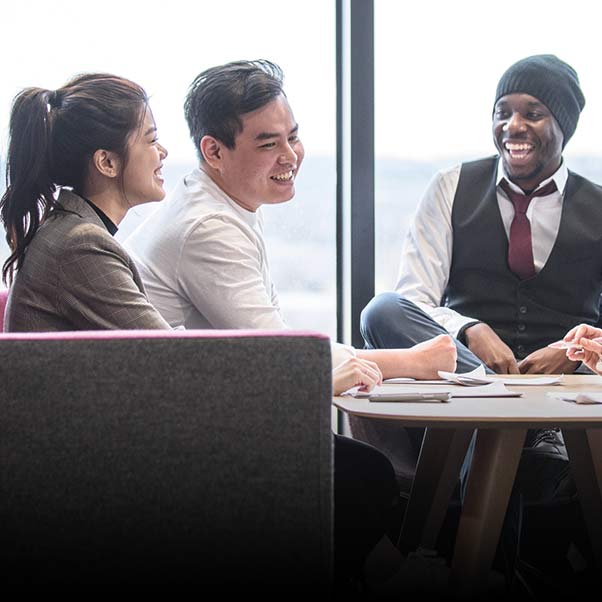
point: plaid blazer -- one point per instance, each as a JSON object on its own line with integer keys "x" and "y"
{"x": 76, "y": 276}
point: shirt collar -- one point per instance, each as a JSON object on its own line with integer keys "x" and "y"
{"x": 560, "y": 176}
{"x": 249, "y": 217}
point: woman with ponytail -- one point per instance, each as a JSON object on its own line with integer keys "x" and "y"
{"x": 78, "y": 158}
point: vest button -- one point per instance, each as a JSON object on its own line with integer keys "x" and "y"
{"x": 522, "y": 327}
{"x": 523, "y": 309}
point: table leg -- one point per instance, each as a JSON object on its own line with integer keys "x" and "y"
{"x": 492, "y": 472}
{"x": 441, "y": 456}
{"x": 585, "y": 454}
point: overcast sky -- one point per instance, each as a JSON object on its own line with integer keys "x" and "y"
{"x": 164, "y": 45}
{"x": 437, "y": 62}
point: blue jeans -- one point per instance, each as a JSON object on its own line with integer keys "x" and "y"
{"x": 391, "y": 321}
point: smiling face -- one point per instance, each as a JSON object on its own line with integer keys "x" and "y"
{"x": 528, "y": 139}
{"x": 142, "y": 178}
{"x": 267, "y": 154}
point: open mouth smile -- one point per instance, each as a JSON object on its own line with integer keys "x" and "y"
{"x": 287, "y": 176}
{"x": 518, "y": 150}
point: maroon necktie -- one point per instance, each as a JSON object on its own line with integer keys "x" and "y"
{"x": 520, "y": 248}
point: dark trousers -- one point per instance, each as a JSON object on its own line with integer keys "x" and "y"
{"x": 365, "y": 498}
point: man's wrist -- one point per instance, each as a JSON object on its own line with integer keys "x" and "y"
{"x": 461, "y": 336}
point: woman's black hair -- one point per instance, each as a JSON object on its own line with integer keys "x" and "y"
{"x": 52, "y": 138}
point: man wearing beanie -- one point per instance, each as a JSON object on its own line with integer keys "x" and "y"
{"x": 505, "y": 254}
{"x": 503, "y": 296}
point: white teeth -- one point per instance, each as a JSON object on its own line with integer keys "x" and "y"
{"x": 517, "y": 147}
{"x": 284, "y": 177}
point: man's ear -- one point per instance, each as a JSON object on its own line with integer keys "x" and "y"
{"x": 107, "y": 163}
{"x": 211, "y": 149}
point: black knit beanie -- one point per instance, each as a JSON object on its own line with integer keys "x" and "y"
{"x": 551, "y": 81}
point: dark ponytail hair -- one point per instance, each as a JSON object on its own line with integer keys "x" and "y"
{"x": 53, "y": 136}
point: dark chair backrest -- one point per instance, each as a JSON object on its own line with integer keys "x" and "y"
{"x": 150, "y": 457}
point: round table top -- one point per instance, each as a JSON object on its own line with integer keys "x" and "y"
{"x": 533, "y": 408}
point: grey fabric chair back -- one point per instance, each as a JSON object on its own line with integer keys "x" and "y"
{"x": 149, "y": 457}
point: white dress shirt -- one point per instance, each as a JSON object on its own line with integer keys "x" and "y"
{"x": 427, "y": 250}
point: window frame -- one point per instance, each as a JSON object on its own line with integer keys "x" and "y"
{"x": 355, "y": 217}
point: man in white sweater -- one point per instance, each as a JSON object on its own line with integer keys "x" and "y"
{"x": 202, "y": 255}
{"x": 203, "y": 262}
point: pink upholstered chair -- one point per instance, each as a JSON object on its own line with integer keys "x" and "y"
{"x": 3, "y": 298}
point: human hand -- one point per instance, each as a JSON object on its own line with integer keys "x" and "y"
{"x": 482, "y": 340}
{"x": 590, "y": 354}
{"x": 586, "y": 346}
{"x": 547, "y": 361}
{"x": 355, "y": 372}
{"x": 582, "y": 331}
{"x": 438, "y": 353}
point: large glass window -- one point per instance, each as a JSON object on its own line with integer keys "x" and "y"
{"x": 163, "y": 47}
{"x": 437, "y": 65}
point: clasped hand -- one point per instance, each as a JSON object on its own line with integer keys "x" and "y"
{"x": 494, "y": 353}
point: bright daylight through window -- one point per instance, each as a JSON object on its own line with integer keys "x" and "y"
{"x": 163, "y": 49}
{"x": 436, "y": 67}
{"x": 437, "y": 64}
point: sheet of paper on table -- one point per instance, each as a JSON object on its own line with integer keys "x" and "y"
{"x": 585, "y": 397}
{"x": 413, "y": 381}
{"x": 478, "y": 376}
{"x": 417, "y": 394}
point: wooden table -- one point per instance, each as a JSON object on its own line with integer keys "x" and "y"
{"x": 501, "y": 425}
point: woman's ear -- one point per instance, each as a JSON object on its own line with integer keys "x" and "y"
{"x": 107, "y": 163}
{"x": 211, "y": 149}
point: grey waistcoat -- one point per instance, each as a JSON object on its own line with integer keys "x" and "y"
{"x": 531, "y": 313}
